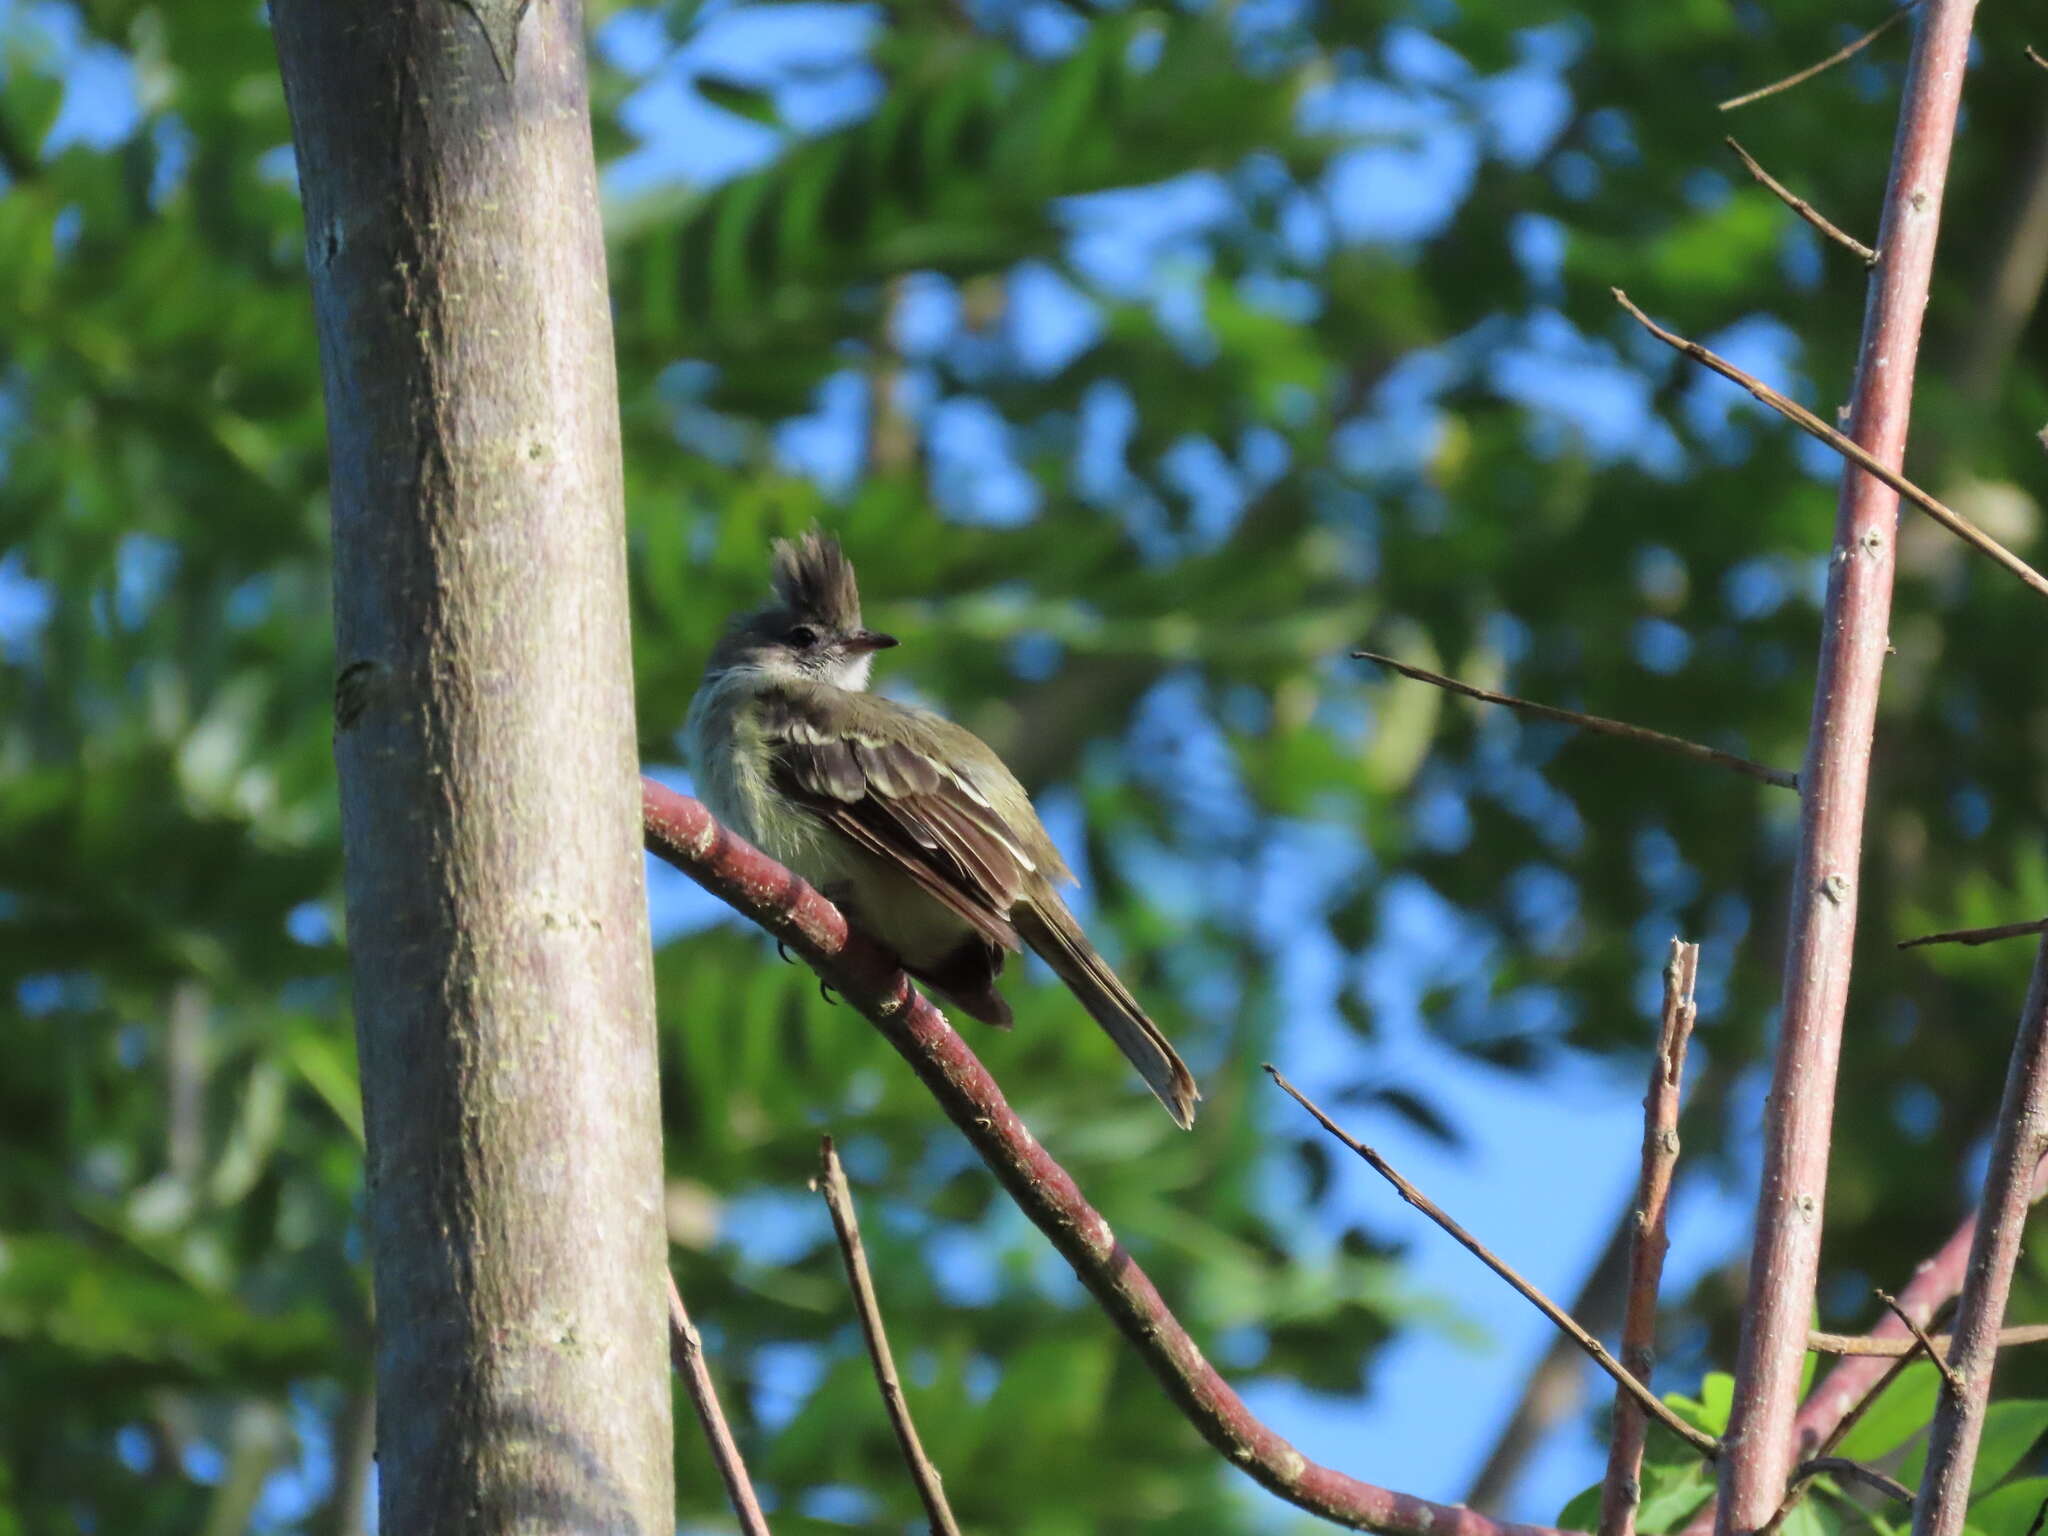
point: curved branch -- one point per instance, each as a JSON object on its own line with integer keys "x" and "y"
{"x": 682, "y": 832}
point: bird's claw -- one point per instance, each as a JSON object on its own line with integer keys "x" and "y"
{"x": 825, "y": 992}
{"x": 782, "y": 949}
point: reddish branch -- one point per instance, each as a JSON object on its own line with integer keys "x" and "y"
{"x": 1623, "y": 1491}
{"x": 686, "y": 1353}
{"x": 1799, "y": 1111}
{"x": 681, "y": 832}
{"x": 839, "y": 1200}
{"x": 2016, "y": 1147}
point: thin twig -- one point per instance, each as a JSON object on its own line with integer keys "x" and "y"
{"x": 831, "y": 1183}
{"x": 1802, "y": 207}
{"x": 1642, "y": 735}
{"x": 2043, "y": 62}
{"x": 1806, "y": 74}
{"x": 1846, "y": 446}
{"x": 1698, "y": 1439}
{"x": 682, "y": 832}
{"x": 1622, "y": 1491}
{"x": 2017, "y": 1142}
{"x": 1922, "y": 1340}
{"x": 1888, "y": 1348}
{"x": 1978, "y": 935}
{"x": 1870, "y": 1477}
{"x": 686, "y": 1353}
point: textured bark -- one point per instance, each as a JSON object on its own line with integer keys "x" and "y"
{"x": 1799, "y": 1114}
{"x": 485, "y": 744}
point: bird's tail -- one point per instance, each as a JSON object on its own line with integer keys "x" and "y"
{"x": 1050, "y": 930}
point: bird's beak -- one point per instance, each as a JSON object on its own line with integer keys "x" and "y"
{"x": 868, "y": 640}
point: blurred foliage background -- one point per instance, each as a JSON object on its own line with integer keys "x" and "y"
{"x": 1148, "y": 361}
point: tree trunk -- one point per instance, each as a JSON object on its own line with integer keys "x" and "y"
{"x": 484, "y": 738}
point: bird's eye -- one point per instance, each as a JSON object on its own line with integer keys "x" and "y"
{"x": 802, "y": 636}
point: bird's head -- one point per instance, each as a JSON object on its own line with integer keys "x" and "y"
{"x": 812, "y": 630}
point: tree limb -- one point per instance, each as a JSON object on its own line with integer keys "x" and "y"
{"x": 1835, "y": 781}
{"x": 681, "y": 832}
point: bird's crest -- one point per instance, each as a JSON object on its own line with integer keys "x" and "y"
{"x": 813, "y": 577}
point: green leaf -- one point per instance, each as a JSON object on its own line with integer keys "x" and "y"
{"x": 1671, "y": 1494}
{"x": 2010, "y": 1430}
{"x": 1709, "y": 1411}
{"x": 1810, "y": 1518}
{"x": 1905, "y": 1407}
{"x": 2009, "y": 1511}
{"x": 1582, "y": 1512}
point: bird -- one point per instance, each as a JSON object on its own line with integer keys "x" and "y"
{"x": 907, "y": 821}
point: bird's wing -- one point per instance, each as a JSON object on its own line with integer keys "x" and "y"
{"x": 903, "y": 805}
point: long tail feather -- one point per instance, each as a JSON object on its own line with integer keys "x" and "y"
{"x": 1051, "y": 932}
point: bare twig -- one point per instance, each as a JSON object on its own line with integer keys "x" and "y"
{"x": 1642, "y": 735}
{"x": 1849, "y": 449}
{"x": 1622, "y": 1491}
{"x": 1921, "y": 1340}
{"x": 682, "y": 832}
{"x": 1856, "y": 1471}
{"x": 1978, "y": 935}
{"x": 1806, "y": 74}
{"x": 1890, "y": 1349}
{"x": 1834, "y": 785}
{"x": 2017, "y": 1143}
{"x": 2035, "y": 55}
{"x": 839, "y": 1200}
{"x": 686, "y": 1353}
{"x": 1699, "y": 1440}
{"x": 1802, "y": 207}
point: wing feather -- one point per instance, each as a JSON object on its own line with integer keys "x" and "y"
{"x": 907, "y": 809}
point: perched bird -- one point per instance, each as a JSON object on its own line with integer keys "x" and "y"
{"x": 906, "y": 820}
